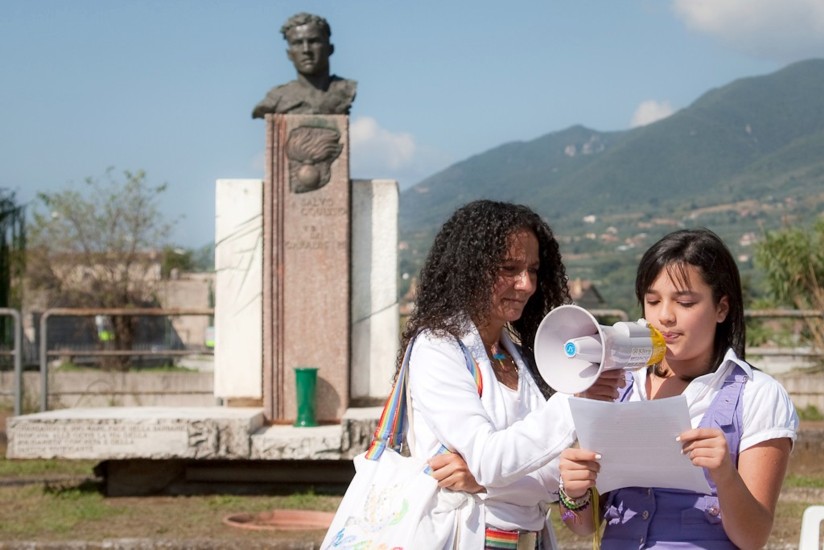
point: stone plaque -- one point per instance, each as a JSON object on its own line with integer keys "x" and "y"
{"x": 134, "y": 432}
{"x": 306, "y": 226}
{"x": 89, "y": 440}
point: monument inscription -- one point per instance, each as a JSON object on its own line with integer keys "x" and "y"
{"x": 91, "y": 440}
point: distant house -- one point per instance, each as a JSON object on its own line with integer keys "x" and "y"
{"x": 585, "y": 295}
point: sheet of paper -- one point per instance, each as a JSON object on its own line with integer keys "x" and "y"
{"x": 637, "y": 444}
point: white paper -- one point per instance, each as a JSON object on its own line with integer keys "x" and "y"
{"x": 637, "y": 443}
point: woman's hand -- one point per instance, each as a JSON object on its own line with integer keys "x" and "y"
{"x": 606, "y": 386}
{"x": 707, "y": 448}
{"x": 451, "y": 472}
{"x": 579, "y": 470}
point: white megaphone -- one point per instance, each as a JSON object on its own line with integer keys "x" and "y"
{"x": 572, "y": 349}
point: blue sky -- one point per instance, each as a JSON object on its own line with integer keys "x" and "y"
{"x": 168, "y": 86}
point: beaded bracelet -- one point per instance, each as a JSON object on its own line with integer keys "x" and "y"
{"x": 571, "y": 505}
{"x": 574, "y": 503}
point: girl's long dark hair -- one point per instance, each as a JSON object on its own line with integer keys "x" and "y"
{"x": 462, "y": 266}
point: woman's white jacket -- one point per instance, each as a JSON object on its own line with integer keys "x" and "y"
{"x": 510, "y": 457}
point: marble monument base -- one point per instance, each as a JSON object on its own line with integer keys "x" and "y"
{"x": 155, "y": 450}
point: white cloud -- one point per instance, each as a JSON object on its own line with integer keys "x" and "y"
{"x": 650, "y": 111}
{"x": 393, "y": 150}
{"x": 780, "y": 30}
{"x": 379, "y": 153}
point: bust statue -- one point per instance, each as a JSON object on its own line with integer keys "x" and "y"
{"x": 315, "y": 90}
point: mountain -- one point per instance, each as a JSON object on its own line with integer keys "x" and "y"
{"x": 742, "y": 159}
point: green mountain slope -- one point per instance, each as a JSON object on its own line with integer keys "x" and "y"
{"x": 741, "y": 159}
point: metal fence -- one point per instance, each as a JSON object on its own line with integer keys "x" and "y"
{"x": 45, "y": 353}
{"x": 17, "y": 353}
{"x": 811, "y": 352}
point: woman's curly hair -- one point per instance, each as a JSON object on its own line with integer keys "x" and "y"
{"x": 457, "y": 278}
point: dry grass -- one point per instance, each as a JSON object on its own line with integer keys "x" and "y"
{"x": 78, "y": 512}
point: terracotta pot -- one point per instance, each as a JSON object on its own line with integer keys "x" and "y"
{"x": 283, "y": 520}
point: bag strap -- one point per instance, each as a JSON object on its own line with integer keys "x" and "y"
{"x": 472, "y": 366}
{"x": 391, "y": 426}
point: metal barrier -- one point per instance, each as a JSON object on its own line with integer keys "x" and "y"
{"x": 88, "y": 312}
{"x": 779, "y": 314}
{"x": 17, "y": 353}
{"x": 71, "y": 312}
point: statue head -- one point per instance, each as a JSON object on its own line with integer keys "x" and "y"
{"x": 315, "y": 90}
{"x": 309, "y": 48}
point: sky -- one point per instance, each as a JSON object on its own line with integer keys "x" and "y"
{"x": 168, "y": 86}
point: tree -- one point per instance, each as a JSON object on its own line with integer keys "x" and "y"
{"x": 793, "y": 264}
{"x": 176, "y": 260}
{"x": 12, "y": 258}
{"x": 99, "y": 248}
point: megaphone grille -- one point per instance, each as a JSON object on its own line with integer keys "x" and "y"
{"x": 564, "y": 372}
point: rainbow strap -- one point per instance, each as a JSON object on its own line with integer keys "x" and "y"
{"x": 392, "y": 423}
{"x": 496, "y": 538}
{"x": 472, "y": 366}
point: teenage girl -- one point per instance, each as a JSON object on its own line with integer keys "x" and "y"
{"x": 743, "y": 422}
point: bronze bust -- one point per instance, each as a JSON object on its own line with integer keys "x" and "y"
{"x": 315, "y": 90}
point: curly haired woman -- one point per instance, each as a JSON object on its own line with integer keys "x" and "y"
{"x": 493, "y": 273}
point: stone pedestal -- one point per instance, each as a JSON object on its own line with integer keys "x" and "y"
{"x": 306, "y": 229}
{"x": 171, "y": 433}
{"x": 193, "y": 450}
{"x": 239, "y": 299}
{"x": 134, "y": 432}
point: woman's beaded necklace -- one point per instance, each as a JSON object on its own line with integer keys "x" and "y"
{"x": 506, "y": 371}
{"x": 499, "y": 355}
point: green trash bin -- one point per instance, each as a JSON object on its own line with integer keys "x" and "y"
{"x": 306, "y": 380}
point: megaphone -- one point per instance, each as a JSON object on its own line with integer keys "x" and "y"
{"x": 572, "y": 349}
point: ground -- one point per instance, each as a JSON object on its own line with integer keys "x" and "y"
{"x": 91, "y": 521}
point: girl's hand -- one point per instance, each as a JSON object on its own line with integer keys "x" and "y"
{"x": 606, "y": 386}
{"x": 707, "y": 448}
{"x": 451, "y": 472}
{"x": 579, "y": 470}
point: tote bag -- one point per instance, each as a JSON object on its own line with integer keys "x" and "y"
{"x": 390, "y": 494}
{"x": 383, "y": 505}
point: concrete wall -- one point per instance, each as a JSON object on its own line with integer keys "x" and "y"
{"x": 805, "y": 389}
{"x": 375, "y": 313}
{"x": 238, "y": 372}
{"x": 189, "y": 290}
{"x": 112, "y": 389}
